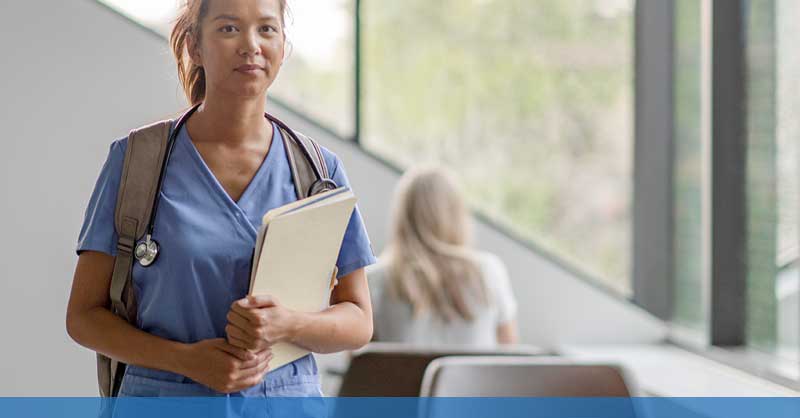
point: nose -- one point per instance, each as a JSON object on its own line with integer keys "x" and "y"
{"x": 249, "y": 45}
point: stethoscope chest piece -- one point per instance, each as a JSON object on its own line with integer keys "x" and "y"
{"x": 321, "y": 185}
{"x": 146, "y": 252}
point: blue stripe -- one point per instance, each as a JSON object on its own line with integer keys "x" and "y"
{"x": 403, "y": 407}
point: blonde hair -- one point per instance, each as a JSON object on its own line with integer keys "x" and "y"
{"x": 430, "y": 265}
{"x": 187, "y": 24}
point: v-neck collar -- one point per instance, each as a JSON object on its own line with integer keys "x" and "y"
{"x": 268, "y": 162}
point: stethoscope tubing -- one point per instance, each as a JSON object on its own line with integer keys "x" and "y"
{"x": 147, "y": 251}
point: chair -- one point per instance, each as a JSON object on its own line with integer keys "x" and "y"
{"x": 523, "y": 377}
{"x": 396, "y": 369}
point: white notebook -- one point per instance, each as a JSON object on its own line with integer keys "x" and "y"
{"x": 295, "y": 255}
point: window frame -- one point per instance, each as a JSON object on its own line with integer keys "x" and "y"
{"x": 726, "y": 79}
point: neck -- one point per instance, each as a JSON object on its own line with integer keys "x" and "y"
{"x": 233, "y": 121}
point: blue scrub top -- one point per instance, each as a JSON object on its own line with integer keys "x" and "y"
{"x": 206, "y": 241}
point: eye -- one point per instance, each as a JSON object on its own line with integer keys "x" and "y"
{"x": 228, "y": 29}
{"x": 269, "y": 28}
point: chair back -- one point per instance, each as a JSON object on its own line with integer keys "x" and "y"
{"x": 395, "y": 369}
{"x": 523, "y": 376}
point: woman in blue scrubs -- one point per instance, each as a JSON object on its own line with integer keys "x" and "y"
{"x": 197, "y": 334}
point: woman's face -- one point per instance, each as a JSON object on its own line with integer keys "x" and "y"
{"x": 241, "y": 46}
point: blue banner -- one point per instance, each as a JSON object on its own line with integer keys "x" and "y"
{"x": 402, "y": 407}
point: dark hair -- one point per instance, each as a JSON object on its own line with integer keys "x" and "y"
{"x": 191, "y": 75}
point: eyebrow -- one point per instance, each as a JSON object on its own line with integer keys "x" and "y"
{"x": 226, "y": 17}
{"x": 236, "y": 18}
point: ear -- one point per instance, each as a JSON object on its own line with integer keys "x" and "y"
{"x": 286, "y": 51}
{"x": 193, "y": 48}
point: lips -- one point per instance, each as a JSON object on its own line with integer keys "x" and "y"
{"x": 247, "y": 68}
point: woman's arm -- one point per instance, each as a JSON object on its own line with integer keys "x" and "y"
{"x": 91, "y": 324}
{"x": 346, "y": 325}
{"x": 258, "y": 322}
{"x": 507, "y": 332}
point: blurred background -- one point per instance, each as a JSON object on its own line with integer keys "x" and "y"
{"x": 633, "y": 163}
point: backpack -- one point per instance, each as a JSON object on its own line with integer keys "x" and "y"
{"x": 138, "y": 192}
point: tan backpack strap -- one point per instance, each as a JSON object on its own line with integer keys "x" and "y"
{"x": 303, "y": 172}
{"x": 137, "y": 192}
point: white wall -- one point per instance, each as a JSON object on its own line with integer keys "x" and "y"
{"x": 76, "y": 76}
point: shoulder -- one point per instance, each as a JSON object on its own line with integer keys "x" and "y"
{"x": 377, "y": 276}
{"x": 377, "y": 271}
{"x": 493, "y": 269}
{"x": 116, "y": 155}
{"x": 331, "y": 159}
{"x": 119, "y": 146}
{"x": 488, "y": 262}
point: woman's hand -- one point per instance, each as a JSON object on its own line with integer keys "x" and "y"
{"x": 257, "y": 322}
{"x": 223, "y": 367}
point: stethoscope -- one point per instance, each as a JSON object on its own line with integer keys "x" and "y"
{"x": 146, "y": 252}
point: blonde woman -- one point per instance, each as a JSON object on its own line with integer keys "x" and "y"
{"x": 196, "y": 334}
{"x": 430, "y": 286}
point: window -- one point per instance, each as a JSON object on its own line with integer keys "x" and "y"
{"x": 317, "y": 76}
{"x": 772, "y": 187}
{"x": 691, "y": 165}
{"x": 788, "y": 170}
{"x": 530, "y": 102}
{"x": 158, "y": 15}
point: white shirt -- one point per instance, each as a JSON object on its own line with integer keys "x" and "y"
{"x": 394, "y": 322}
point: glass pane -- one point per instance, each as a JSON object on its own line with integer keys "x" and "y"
{"x": 788, "y": 187}
{"x": 772, "y": 184}
{"x": 529, "y": 101}
{"x": 155, "y": 14}
{"x": 690, "y": 189}
{"x": 761, "y": 175}
{"x": 318, "y": 75}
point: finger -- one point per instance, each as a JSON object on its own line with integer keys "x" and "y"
{"x": 252, "y": 366}
{"x": 250, "y": 315}
{"x": 247, "y": 342}
{"x": 260, "y": 359}
{"x": 242, "y": 319}
{"x": 260, "y": 301}
{"x": 250, "y": 378}
{"x": 238, "y": 343}
{"x": 249, "y": 333}
{"x": 239, "y": 353}
{"x": 264, "y": 351}
{"x": 258, "y": 370}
